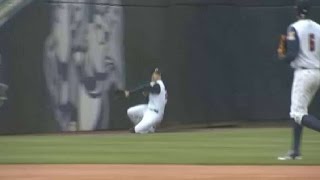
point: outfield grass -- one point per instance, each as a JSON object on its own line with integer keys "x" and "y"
{"x": 229, "y": 146}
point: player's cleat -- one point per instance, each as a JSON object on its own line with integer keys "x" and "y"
{"x": 152, "y": 130}
{"x": 131, "y": 130}
{"x": 290, "y": 156}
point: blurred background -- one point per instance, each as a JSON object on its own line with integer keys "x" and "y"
{"x": 63, "y": 60}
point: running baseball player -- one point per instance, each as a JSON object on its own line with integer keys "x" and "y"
{"x": 301, "y": 48}
{"x": 146, "y": 117}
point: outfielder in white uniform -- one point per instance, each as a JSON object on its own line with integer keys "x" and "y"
{"x": 146, "y": 117}
{"x": 303, "y": 54}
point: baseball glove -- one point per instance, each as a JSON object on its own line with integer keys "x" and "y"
{"x": 119, "y": 93}
{"x": 282, "y": 48}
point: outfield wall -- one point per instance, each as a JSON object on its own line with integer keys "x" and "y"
{"x": 64, "y": 58}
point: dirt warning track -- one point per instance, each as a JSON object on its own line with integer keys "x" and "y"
{"x": 157, "y": 172}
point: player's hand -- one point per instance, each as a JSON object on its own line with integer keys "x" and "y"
{"x": 282, "y": 47}
{"x": 126, "y": 93}
{"x": 144, "y": 93}
{"x": 281, "y": 53}
{"x": 281, "y": 56}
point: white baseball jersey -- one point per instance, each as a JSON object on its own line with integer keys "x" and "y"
{"x": 158, "y": 101}
{"x": 308, "y": 33}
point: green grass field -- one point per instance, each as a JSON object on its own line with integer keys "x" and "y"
{"x": 258, "y": 146}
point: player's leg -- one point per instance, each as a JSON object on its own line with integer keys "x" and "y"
{"x": 152, "y": 129}
{"x": 298, "y": 104}
{"x": 310, "y": 85}
{"x": 305, "y": 85}
{"x": 294, "y": 153}
{"x": 148, "y": 122}
{"x": 311, "y": 122}
{"x": 297, "y": 130}
{"x": 136, "y": 113}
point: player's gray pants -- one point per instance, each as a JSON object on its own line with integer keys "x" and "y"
{"x": 144, "y": 119}
{"x": 306, "y": 83}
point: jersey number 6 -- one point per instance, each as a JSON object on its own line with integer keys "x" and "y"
{"x": 312, "y": 42}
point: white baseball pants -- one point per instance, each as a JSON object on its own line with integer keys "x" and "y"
{"x": 144, "y": 119}
{"x": 306, "y": 83}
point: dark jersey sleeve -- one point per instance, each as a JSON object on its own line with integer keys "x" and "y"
{"x": 139, "y": 88}
{"x": 293, "y": 45}
{"x": 155, "y": 89}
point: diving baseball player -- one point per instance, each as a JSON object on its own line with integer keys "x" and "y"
{"x": 302, "y": 51}
{"x": 146, "y": 117}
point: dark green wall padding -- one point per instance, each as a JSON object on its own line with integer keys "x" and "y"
{"x": 218, "y": 59}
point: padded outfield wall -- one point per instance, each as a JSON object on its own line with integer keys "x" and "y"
{"x": 64, "y": 58}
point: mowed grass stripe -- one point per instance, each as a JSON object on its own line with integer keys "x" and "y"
{"x": 258, "y": 146}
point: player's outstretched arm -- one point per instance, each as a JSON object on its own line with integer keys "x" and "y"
{"x": 141, "y": 88}
{"x": 145, "y": 89}
{"x": 155, "y": 89}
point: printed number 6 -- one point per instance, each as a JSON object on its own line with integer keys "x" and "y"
{"x": 312, "y": 42}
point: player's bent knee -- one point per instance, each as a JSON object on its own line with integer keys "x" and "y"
{"x": 140, "y": 129}
{"x": 130, "y": 112}
{"x": 297, "y": 117}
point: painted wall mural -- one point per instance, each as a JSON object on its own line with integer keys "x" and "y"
{"x": 83, "y": 62}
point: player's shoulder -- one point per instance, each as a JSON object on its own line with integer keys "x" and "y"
{"x": 298, "y": 24}
{"x": 160, "y": 82}
{"x": 316, "y": 24}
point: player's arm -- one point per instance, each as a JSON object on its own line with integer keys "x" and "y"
{"x": 139, "y": 88}
{"x": 292, "y": 46}
{"x": 153, "y": 89}
{"x": 146, "y": 88}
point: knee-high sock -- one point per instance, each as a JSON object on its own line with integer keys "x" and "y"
{"x": 297, "y": 135}
{"x": 311, "y": 122}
